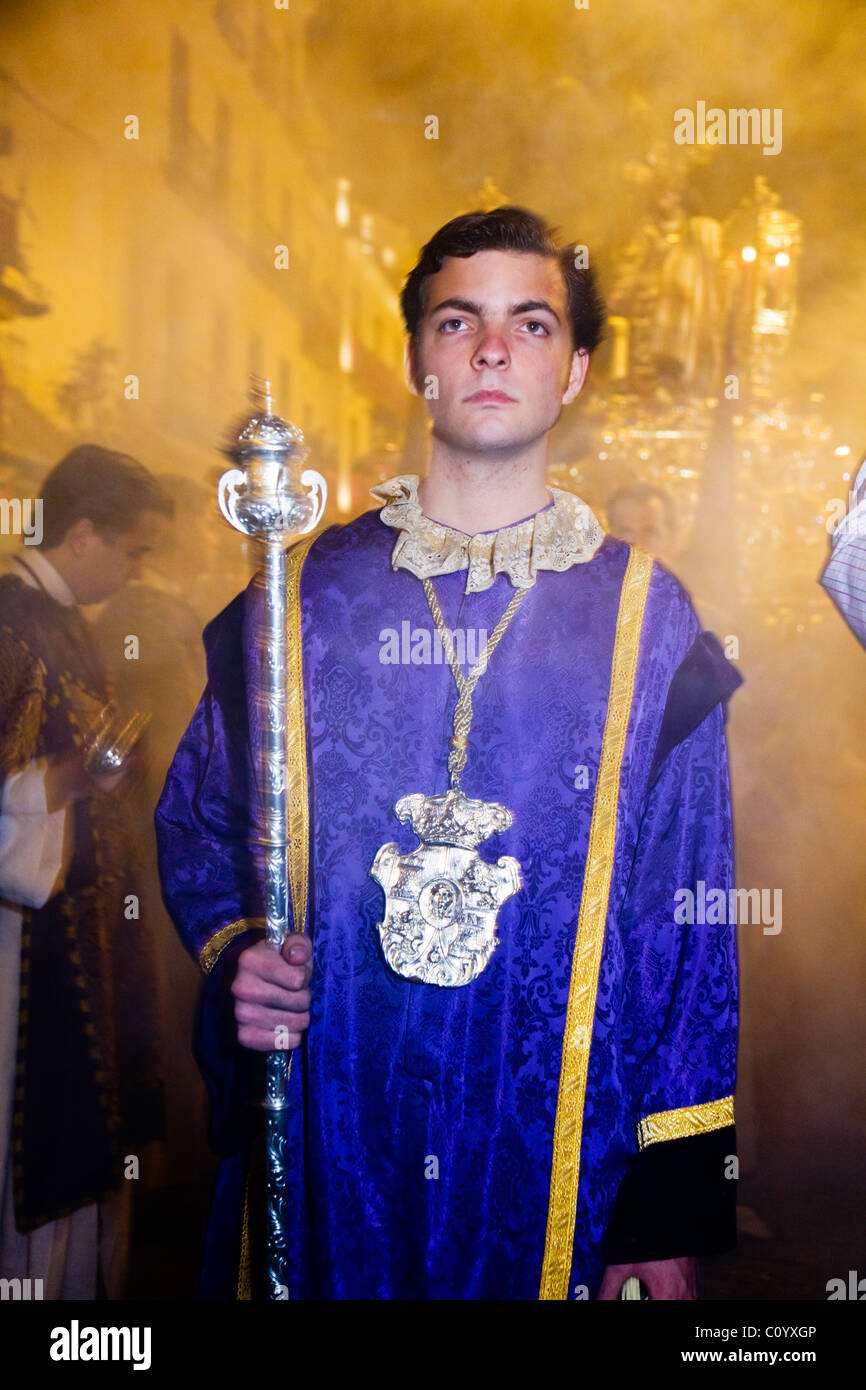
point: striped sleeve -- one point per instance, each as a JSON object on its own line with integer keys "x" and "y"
{"x": 844, "y": 576}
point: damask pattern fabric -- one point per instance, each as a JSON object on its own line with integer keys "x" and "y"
{"x": 420, "y": 1124}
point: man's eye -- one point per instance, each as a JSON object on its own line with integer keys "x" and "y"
{"x": 533, "y": 324}
{"x": 445, "y": 326}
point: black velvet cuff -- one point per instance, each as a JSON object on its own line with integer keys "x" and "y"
{"x": 675, "y": 1200}
{"x": 234, "y": 1075}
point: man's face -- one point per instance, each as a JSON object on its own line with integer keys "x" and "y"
{"x": 496, "y": 337}
{"x": 104, "y": 564}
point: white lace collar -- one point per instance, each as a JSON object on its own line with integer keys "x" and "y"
{"x": 562, "y": 534}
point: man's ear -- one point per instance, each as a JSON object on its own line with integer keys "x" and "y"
{"x": 577, "y": 375}
{"x": 410, "y": 366}
{"x": 80, "y": 535}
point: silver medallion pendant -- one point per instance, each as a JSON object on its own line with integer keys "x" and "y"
{"x": 442, "y": 898}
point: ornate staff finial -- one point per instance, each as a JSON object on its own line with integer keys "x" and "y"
{"x": 260, "y": 394}
{"x": 266, "y": 495}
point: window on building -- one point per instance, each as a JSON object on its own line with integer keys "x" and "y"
{"x": 221, "y": 152}
{"x": 263, "y": 58}
{"x": 229, "y": 25}
{"x": 175, "y": 354}
{"x": 257, "y": 194}
{"x": 286, "y": 220}
{"x": 254, "y": 358}
{"x": 284, "y": 406}
{"x": 219, "y": 346}
{"x": 179, "y": 98}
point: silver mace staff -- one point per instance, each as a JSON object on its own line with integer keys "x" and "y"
{"x": 267, "y": 497}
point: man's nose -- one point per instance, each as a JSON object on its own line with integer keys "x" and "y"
{"x": 492, "y": 350}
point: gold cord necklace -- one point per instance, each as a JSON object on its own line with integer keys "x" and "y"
{"x": 442, "y": 899}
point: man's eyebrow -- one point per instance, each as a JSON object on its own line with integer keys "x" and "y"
{"x": 533, "y": 305}
{"x": 467, "y": 306}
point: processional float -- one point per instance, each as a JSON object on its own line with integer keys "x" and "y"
{"x": 268, "y": 497}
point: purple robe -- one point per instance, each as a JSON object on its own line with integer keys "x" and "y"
{"x": 421, "y": 1123}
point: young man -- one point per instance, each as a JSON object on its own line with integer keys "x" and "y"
{"x": 513, "y": 1069}
{"x": 78, "y": 1081}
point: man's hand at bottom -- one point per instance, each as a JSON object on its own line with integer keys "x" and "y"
{"x": 673, "y": 1279}
{"x": 272, "y": 1001}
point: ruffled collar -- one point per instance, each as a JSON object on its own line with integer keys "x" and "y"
{"x": 562, "y": 534}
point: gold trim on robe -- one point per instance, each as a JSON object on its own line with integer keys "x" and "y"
{"x": 298, "y": 786}
{"x": 586, "y": 961}
{"x": 689, "y": 1119}
{"x": 213, "y": 949}
{"x": 244, "y": 1292}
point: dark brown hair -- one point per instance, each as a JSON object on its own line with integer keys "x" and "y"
{"x": 108, "y": 488}
{"x": 507, "y": 229}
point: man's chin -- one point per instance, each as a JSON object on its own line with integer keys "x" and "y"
{"x": 492, "y": 443}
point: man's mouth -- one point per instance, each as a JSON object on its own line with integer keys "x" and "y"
{"x": 481, "y": 397}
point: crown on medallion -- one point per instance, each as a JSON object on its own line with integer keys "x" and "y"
{"x": 451, "y": 818}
